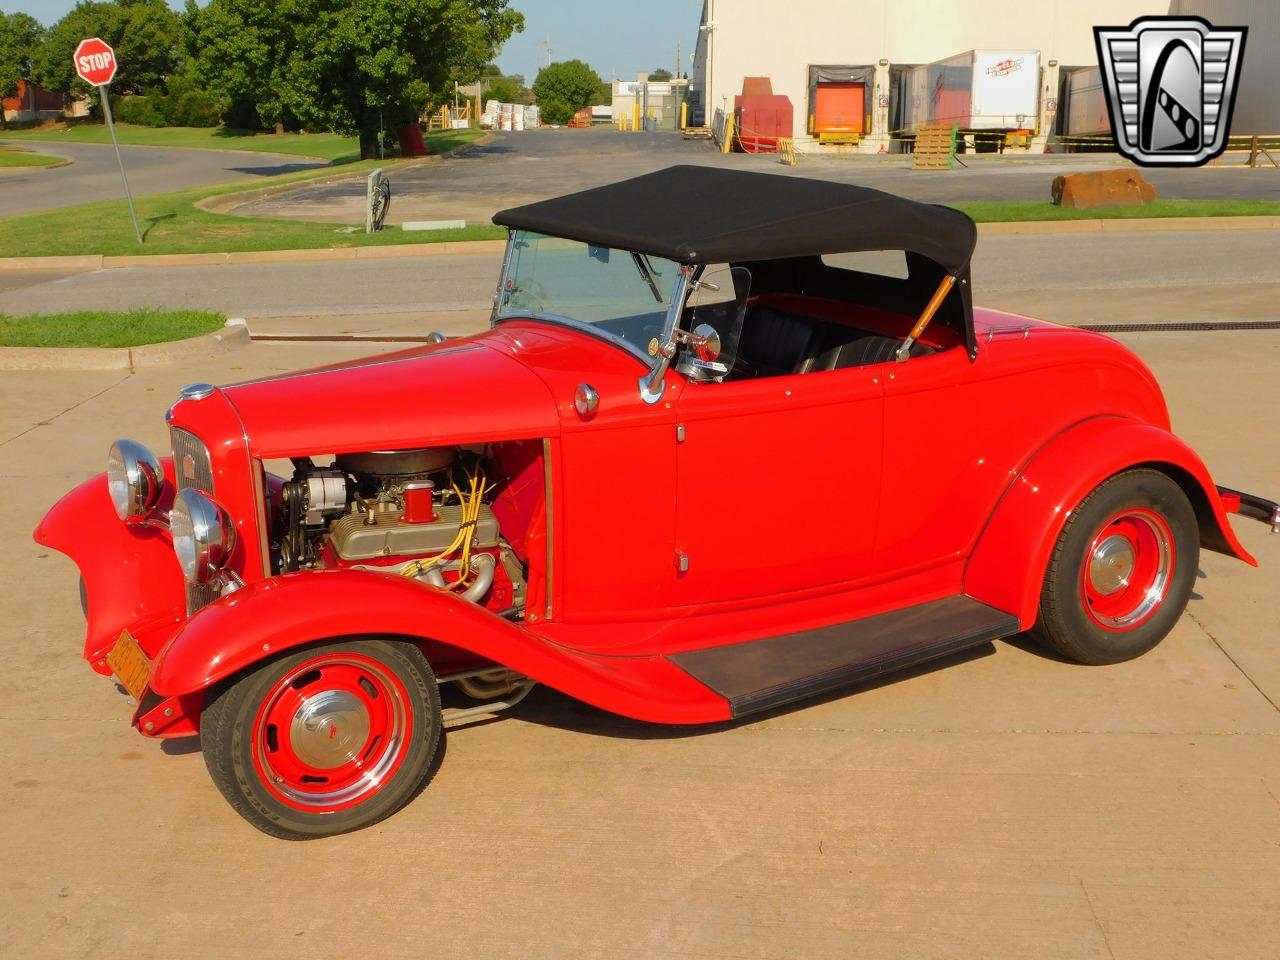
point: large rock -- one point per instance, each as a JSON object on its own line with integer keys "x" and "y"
{"x": 1106, "y": 188}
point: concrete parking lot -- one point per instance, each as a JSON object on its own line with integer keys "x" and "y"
{"x": 1008, "y": 805}
{"x": 515, "y": 168}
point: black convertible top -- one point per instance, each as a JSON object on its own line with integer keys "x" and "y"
{"x": 704, "y": 215}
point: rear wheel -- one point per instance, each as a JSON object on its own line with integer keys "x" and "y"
{"x": 1122, "y": 570}
{"x": 326, "y": 740}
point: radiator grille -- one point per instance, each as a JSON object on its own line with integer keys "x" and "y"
{"x": 193, "y": 471}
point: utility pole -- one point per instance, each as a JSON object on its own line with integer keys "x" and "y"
{"x": 677, "y": 73}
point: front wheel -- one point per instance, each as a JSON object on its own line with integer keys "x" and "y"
{"x": 326, "y": 740}
{"x": 1122, "y": 570}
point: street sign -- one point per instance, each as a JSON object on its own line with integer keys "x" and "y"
{"x": 95, "y": 63}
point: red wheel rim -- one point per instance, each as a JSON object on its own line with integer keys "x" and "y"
{"x": 332, "y": 732}
{"x": 1128, "y": 569}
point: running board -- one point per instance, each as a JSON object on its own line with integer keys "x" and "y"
{"x": 763, "y": 674}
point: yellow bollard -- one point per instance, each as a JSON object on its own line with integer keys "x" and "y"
{"x": 635, "y": 116}
{"x": 727, "y": 145}
{"x": 684, "y": 115}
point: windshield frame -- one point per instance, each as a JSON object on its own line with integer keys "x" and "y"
{"x": 679, "y": 293}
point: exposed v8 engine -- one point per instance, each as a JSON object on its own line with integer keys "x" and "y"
{"x": 417, "y": 513}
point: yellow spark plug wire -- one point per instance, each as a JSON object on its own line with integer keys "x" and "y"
{"x": 470, "y": 504}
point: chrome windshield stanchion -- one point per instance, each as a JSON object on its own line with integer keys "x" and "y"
{"x": 502, "y": 280}
{"x": 664, "y": 347}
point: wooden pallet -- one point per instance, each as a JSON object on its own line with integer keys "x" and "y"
{"x": 935, "y": 148}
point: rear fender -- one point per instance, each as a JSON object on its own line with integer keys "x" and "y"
{"x": 272, "y": 616}
{"x": 131, "y": 577}
{"x": 1007, "y": 566}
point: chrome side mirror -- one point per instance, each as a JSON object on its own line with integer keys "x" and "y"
{"x": 705, "y": 342}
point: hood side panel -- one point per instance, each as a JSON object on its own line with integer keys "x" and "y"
{"x": 452, "y": 393}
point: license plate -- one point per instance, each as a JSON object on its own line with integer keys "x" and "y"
{"x": 130, "y": 665}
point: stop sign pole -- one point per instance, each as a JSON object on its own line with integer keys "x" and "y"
{"x": 95, "y": 64}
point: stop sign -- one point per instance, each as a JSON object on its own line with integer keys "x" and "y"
{"x": 95, "y": 62}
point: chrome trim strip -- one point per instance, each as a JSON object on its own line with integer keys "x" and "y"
{"x": 502, "y": 279}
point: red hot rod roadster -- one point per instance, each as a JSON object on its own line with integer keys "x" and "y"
{"x": 732, "y": 440}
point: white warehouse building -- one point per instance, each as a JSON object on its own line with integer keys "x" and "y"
{"x": 848, "y": 66}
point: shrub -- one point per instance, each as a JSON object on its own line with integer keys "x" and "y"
{"x": 188, "y": 103}
{"x": 138, "y": 109}
{"x": 192, "y": 108}
{"x": 555, "y": 111}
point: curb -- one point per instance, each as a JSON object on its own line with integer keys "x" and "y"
{"x": 90, "y": 262}
{"x": 224, "y": 203}
{"x": 231, "y": 337}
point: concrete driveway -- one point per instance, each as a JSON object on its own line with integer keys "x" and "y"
{"x": 94, "y": 174}
{"x": 1003, "y": 806}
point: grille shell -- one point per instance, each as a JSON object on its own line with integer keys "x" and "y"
{"x": 193, "y": 470}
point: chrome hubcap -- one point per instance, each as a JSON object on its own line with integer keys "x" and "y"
{"x": 1128, "y": 570}
{"x": 1111, "y": 565}
{"x": 330, "y": 728}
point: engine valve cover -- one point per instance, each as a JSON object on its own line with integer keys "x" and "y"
{"x": 353, "y": 538}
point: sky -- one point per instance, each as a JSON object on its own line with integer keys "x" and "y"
{"x": 616, "y": 37}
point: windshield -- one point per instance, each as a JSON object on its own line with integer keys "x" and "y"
{"x": 618, "y": 294}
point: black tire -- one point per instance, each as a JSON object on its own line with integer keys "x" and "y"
{"x": 238, "y": 738}
{"x": 1085, "y": 623}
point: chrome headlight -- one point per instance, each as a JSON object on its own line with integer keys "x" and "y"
{"x": 203, "y": 535}
{"x": 135, "y": 480}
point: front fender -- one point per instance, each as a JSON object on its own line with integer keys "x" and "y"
{"x": 131, "y": 577}
{"x": 266, "y": 618}
{"x": 1007, "y": 567}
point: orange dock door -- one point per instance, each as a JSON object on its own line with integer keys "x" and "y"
{"x": 839, "y": 106}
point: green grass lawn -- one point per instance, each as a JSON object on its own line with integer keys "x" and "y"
{"x": 334, "y": 147}
{"x": 172, "y": 223}
{"x": 9, "y": 157}
{"x": 1017, "y": 210}
{"x": 93, "y": 328}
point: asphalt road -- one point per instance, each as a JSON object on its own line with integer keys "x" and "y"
{"x": 1006, "y": 806}
{"x": 1110, "y": 277}
{"x": 519, "y": 168}
{"x": 94, "y": 174}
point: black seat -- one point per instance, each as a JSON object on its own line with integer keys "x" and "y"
{"x": 856, "y": 348}
{"x": 775, "y": 343}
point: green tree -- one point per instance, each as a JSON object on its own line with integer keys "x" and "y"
{"x": 352, "y": 66}
{"x": 660, "y": 75}
{"x": 146, "y": 35}
{"x": 568, "y": 85}
{"x": 20, "y": 39}
{"x": 247, "y": 50}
